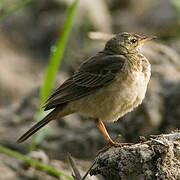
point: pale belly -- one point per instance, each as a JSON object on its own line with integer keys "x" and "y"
{"x": 115, "y": 100}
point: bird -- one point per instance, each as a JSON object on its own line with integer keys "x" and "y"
{"x": 106, "y": 86}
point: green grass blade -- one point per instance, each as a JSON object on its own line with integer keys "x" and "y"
{"x": 12, "y": 10}
{"x": 52, "y": 69}
{"x": 56, "y": 56}
{"x": 34, "y": 163}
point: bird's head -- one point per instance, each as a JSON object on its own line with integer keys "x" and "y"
{"x": 126, "y": 43}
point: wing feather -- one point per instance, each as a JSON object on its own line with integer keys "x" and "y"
{"x": 93, "y": 74}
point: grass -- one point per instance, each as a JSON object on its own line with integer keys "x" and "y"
{"x": 35, "y": 163}
{"x": 10, "y": 9}
{"x": 54, "y": 62}
{"x": 56, "y": 56}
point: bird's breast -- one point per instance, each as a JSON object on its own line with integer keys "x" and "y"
{"x": 118, "y": 98}
{"x": 124, "y": 95}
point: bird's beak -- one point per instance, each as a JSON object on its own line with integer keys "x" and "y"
{"x": 147, "y": 38}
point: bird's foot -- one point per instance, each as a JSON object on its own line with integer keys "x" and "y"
{"x": 113, "y": 144}
{"x": 117, "y": 144}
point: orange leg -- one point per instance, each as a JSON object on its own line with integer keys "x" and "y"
{"x": 103, "y": 129}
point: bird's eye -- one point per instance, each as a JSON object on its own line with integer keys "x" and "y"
{"x": 133, "y": 40}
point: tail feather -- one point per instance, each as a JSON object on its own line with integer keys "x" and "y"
{"x": 37, "y": 126}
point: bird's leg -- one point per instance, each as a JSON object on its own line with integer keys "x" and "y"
{"x": 103, "y": 129}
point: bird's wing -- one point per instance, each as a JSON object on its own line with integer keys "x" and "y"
{"x": 95, "y": 73}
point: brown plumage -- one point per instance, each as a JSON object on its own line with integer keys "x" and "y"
{"x": 105, "y": 87}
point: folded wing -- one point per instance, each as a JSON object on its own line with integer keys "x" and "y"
{"x": 93, "y": 74}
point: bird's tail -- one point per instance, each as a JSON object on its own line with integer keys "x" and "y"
{"x": 37, "y": 126}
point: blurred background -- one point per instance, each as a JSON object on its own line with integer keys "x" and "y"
{"x": 28, "y": 34}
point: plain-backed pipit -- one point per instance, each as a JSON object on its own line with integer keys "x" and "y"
{"x": 105, "y": 87}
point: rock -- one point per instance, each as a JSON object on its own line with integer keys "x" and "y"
{"x": 157, "y": 158}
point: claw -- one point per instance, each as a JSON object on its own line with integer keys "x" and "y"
{"x": 113, "y": 144}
